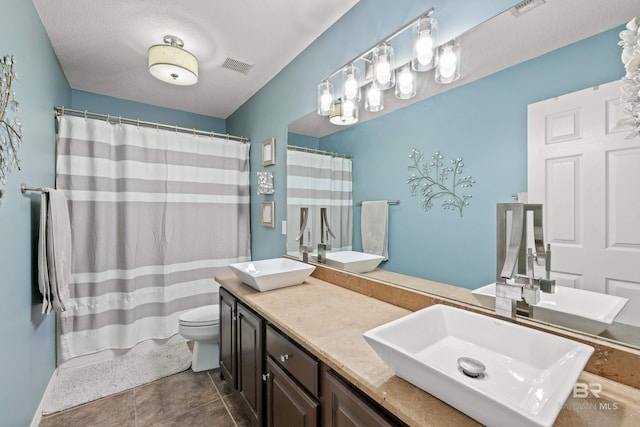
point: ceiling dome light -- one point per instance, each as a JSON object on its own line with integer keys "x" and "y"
{"x": 170, "y": 63}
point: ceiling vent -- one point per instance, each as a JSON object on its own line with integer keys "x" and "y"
{"x": 525, "y": 6}
{"x": 235, "y": 65}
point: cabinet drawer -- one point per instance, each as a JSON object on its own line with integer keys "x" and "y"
{"x": 293, "y": 360}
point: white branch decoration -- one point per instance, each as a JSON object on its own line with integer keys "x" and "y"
{"x": 430, "y": 179}
{"x": 631, "y": 81}
{"x": 10, "y": 132}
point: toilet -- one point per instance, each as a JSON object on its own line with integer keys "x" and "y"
{"x": 202, "y": 326}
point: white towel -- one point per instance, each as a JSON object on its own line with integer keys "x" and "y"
{"x": 54, "y": 251}
{"x": 374, "y": 229}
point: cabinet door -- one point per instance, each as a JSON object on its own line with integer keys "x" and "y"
{"x": 287, "y": 403}
{"x": 228, "y": 337}
{"x": 250, "y": 362}
{"x": 342, "y": 407}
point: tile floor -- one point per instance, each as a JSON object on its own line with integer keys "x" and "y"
{"x": 185, "y": 399}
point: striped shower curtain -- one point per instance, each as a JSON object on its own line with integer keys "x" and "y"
{"x": 315, "y": 181}
{"x": 155, "y": 214}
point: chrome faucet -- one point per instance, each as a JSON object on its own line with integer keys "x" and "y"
{"x": 519, "y": 291}
{"x": 324, "y": 244}
{"x": 304, "y": 249}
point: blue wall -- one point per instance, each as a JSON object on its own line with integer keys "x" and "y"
{"x": 485, "y": 123}
{"x": 303, "y": 140}
{"x": 95, "y": 103}
{"x": 292, "y": 93}
{"x": 27, "y": 358}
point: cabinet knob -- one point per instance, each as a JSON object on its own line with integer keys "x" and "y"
{"x": 265, "y": 376}
{"x": 284, "y": 358}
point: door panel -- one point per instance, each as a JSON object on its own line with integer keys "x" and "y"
{"x": 586, "y": 174}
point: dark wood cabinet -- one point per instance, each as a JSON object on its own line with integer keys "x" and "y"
{"x": 228, "y": 337}
{"x": 280, "y": 383}
{"x": 250, "y": 360}
{"x": 287, "y": 403}
{"x": 344, "y": 407}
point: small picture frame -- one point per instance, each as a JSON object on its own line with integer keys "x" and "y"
{"x": 269, "y": 152}
{"x": 268, "y": 214}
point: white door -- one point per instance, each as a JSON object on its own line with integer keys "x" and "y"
{"x": 587, "y": 175}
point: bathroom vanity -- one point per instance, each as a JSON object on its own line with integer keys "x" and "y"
{"x": 296, "y": 356}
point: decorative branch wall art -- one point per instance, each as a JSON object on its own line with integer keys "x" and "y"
{"x": 10, "y": 131}
{"x": 436, "y": 180}
{"x": 630, "y": 42}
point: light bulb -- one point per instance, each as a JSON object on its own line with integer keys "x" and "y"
{"x": 424, "y": 48}
{"x": 325, "y": 100}
{"x": 447, "y": 64}
{"x": 347, "y": 109}
{"x": 351, "y": 87}
{"x": 383, "y": 71}
{"x": 405, "y": 82}
{"x": 374, "y": 96}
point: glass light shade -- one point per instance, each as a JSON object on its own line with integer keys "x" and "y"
{"x": 344, "y": 112}
{"x": 406, "y": 83}
{"x": 351, "y": 82}
{"x": 448, "y": 69}
{"x": 172, "y": 64}
{"x": 325, "y": 98}
{"x": 383, "y": 72}
{"x": 374, "y": 100}
{"x": 425, "y": 42}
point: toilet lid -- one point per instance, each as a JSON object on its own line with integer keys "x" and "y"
{"x": 201, "y": 316}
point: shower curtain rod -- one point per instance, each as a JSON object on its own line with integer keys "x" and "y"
{"x": 315, "y": 150}
{"x": 61, "y": 110}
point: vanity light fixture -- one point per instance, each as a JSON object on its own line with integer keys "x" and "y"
{"x": 448, "y": 69}
{"x": 374, "y": 101}
{"x": 351, "y": 82}
{"x": 406, "y": 84}
{"x": 325, "y": 98}
{"x": 381, "y": 72}
{"x": 344, "y": 112}
{"x": 171, "y": 63}
{"x": 425, "y": 44}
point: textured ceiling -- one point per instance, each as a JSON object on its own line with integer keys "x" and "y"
{"x": 102, "y": 45}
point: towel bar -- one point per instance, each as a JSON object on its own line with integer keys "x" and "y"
{"x": 24, "y": 188}
{"x": 392, "y": 202}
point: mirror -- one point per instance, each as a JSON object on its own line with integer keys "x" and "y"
{"x": 508, "y": 63}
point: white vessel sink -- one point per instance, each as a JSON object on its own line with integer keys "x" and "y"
{"x": 585, "y": 311}
{"x": 353, "y": 261}
{"x": 268, "y": 274}
{"x": 529, "y": 374}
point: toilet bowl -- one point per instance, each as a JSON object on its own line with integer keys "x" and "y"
{"x": 202, "y": 326}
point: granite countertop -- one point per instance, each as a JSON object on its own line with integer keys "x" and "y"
{"x": 329, "y": 321}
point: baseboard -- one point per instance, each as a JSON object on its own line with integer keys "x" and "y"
{"x": 37, "y": 417}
